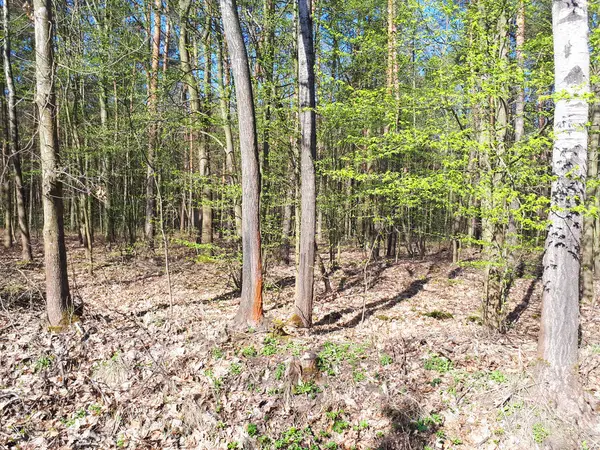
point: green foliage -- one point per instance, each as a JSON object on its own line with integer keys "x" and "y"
{"x": 252, "y": 429}
{"x": 333, "y": 354}
{"x": 497, "y": 376}
{"x": 309, "y": 388}
{"x": 270, "y": 346}
{"x": 217, "y": 353}
{"x": 438, "y": 363}
{"x": 339, "y": 425}
{"x": 43, "y": 363}
{"x": 424, "y": 424}
{"x": 540, "y": 433}
{"x": 235, "y": 369}
{"x": 249, "y": 351}
{"x": 279, "y": 371}
{"x": 385, "y": 360}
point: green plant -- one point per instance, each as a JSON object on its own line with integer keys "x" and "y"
{"x": 497, "y": 376}
{"x": 438, "y": 363}
{"x": 217, "y": 353}
{"x": 331, "y": 446}
{"x": 333, "y": 354}
{"x": 362, "y": 425}
{"x": 235, "y": 369}
{"x": 540, "y": 433}
{"x": 264, "y": 441}
{"x": 385, "y": 360}
{"x": 252, "y": 429}
{"x": 359, "y": 376}
{"x": 95, "y": 409}
{"x": 339, "y": 425}
{"x": 307, "y": 387}
{"x": 249, "y": 351}
{"x": 270, "y": 346}
{"x": 120, "y": 441}
{"x": 43, "y": 362}
{"x": 425, "y": 423}
{"x": 279, "y": 371}
{"x": 436, "y": 382}
{"x": 291, "y": 439}
{"x": 232, "y": 445}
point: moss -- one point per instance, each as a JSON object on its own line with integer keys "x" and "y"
{"x": 68, "y": 319}
{"x": 439, "y": 315}
{"x": 296, "y": 321}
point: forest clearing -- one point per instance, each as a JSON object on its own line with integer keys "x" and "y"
{"x": 301, "y": 225}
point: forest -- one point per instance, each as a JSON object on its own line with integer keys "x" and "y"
{"x": 305, "y": 224}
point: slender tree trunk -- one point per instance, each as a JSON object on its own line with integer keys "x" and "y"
{"x": 250, "y": 311}
{"x": 204, "y": 155}
{"x": 284, "y": 249}
{"x": 513, "y": 259}
{"x": 230, "y": 168}
{"x": 153, "y": 127}
{"x": 58, "y": 299}
{"x": 5, "y": 184}
{"x": 590, "y": 248}
{"x": 106, "y": 166}
{"x": 560, "y": 302}
{"x": 15, "y": 157}
{"x": 308, "y": 148}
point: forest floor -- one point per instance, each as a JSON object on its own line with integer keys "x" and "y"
{"x": 402, "y": 364}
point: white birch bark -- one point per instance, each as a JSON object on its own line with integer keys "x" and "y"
{"x": 562, "y": 259}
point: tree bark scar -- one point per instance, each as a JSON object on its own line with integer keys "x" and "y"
{"x": 257, "y": 310}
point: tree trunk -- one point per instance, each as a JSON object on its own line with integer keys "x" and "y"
{"x": 560, "y": 303}
{"x": 204, "y": 155}
{"x": 106, "y": 166}
{"x": 308, "y": 148}
{"x": 15, "y": 157}
{"x": 250, "y": 311}
{"x": 590, "y": 248}
{"x": 229, "y": 146}
{"x": 153, "y": 128}
{"x": 58, "y": 299}
{"x": 5, "y": 184}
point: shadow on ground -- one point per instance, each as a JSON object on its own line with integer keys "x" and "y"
{"x": 369, "y": 309}
{"x": 410, "y": 431}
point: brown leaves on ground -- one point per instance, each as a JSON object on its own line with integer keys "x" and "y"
{"x": 402, "y": 363}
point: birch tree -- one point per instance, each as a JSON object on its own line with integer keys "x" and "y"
{"x": 562, "y": 263}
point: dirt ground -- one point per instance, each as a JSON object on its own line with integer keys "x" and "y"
{"x": 402, "y": 363}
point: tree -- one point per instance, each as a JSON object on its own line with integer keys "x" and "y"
{"x": 560, "y": 303}
{"x": 58, "y": 298}
{"x": 250, "y": 311}
{"x": 308, "y": 148}
{"x": 15, "y": 157}
{"x": 153, "y": 127}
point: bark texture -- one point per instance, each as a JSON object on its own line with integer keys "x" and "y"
{"x": 251, "y": 311}
{"x": 58, "y": 299}
{"x": 560, "y": 302}
{"x": 153, "y": 128}
{"x": 590, "y": 248}
{"x": 15, "y": 157}
{"x": 308, "y": 147}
